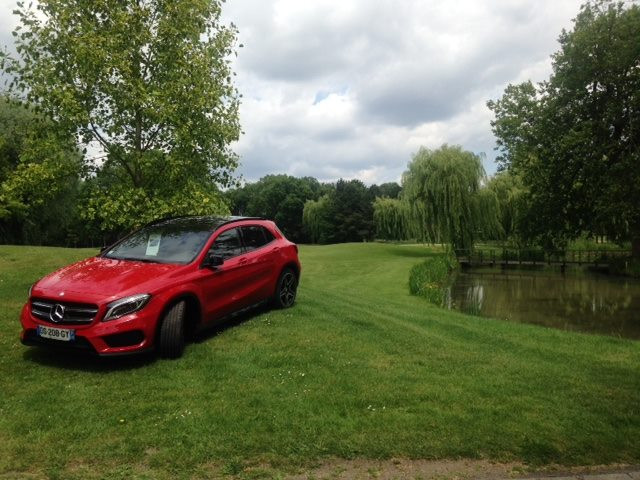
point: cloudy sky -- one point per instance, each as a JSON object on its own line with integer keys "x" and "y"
{"x": 351, "y": 88}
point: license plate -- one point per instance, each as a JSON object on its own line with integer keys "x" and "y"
{"x": 63, "y": 334}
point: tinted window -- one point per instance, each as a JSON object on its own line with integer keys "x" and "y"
{"x": 176, "y": 241}
{"x": 227, "y": 244}
{"x": 268, "y": 235}
{"x": 255, "y": 237}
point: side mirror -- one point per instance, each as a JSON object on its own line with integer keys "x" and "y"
{"x": 212, "y": 260}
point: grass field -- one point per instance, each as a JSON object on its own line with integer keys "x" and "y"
{"x": 357, "y": 369}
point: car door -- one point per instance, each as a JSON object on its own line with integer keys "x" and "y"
{"x": 260, "y": 249}
{"x": 224, "y": 287}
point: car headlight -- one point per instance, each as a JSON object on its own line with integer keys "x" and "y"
{"x": 125, "y": 306}
{"x": 30, "y": 290}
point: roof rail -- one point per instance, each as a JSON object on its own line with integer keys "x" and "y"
{"x": 229, "y": 218}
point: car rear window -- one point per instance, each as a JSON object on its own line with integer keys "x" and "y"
{"x": 255, "y": 236}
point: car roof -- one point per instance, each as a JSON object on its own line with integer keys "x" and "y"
{"x": 203, "y": 221}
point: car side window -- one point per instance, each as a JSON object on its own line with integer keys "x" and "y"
{"x": 268, "y": 235}
{"x": 255, "y": 237}
{"x": 228, "y": 244}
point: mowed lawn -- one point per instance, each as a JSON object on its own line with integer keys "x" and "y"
{"x": 358, "y": 368}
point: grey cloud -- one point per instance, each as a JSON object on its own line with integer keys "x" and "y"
{"x": 412, "y": 72}
{"x": 412, "y": 101}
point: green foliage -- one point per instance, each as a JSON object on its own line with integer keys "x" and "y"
{"x": 430, "y": 279}
{"x": 351, "y": 215}
{"x": 316, "y": 218}
{"x": 388, "y": 190}
{"x": 277, "y": 197}
{"x": 120, "y": 207}
{"x": 486, "y": 212}
{"x": 39, "y": 178}
{"x": 442, "y": 189}
{"x": 517, "y": 108}
{"x": 149, "y": 82}
{"x": 573, "y": 139}
{"x": 391, "y": 217}
{"x": 509, "y": 192}
{"x": 343, "y": 214}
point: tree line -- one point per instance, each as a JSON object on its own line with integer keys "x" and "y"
{"x": 97, "y": 141}
{"x": 308, "y": 211}
{"x": 445, "y": 197}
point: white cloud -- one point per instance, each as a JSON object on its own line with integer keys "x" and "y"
{"x": 351, "y": 88}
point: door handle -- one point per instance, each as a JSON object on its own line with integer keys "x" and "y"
{"x": 242, "y": 261}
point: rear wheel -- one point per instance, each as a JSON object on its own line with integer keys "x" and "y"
{"x": 171, "y": 335}
{"x": 286, "y": 289}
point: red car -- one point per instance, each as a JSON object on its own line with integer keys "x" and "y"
{"x": 155, "y": 287}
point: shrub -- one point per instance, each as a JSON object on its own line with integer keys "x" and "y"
{"x": 429, "y": 279}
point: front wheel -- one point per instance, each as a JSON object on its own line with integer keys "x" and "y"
{"x": 286, "y": 289}
{"x": 171, "y": 335}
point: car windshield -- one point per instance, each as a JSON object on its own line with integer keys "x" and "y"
{"x": 171, "y": 241}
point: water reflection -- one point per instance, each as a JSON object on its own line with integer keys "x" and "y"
{"x": 577, "y": 300}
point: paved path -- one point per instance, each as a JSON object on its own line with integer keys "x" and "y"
{"x": 631, "y": 475}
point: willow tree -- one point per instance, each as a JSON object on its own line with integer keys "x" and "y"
{"x": 391, "y": 218}
{"x": 441, "y": 190}
{"x": 509, "y": 193}
{"x": 315, "y": 218}
{"x": 147, "y": 82}
{"x": 487, "y": 215}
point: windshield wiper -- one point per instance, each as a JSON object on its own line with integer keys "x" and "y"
{"x": 133, "y": 259}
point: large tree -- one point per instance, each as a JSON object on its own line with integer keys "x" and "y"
{"x": 343, "y": 214}
{"x": 149, "y": 82}
{"x": 39, "y": 178}
{"x": 442, "y": 189}
{"x": 391, "y": 218}
{"x": 508, "y": 191}
{"x": 574, "y": 139}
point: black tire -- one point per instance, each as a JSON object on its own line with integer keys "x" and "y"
{"x": 286, "y": 289}
{"x": 171, "y": 335}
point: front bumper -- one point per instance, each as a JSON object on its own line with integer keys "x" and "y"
{"x": 133, "y": 333}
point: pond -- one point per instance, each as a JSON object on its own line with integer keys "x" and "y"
{"x": 575, "y": 300}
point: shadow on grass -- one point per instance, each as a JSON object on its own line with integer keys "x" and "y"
{"x": 87, "y": 362}
{"x": 73, "y": 360}
{"x": 228, "y": 323}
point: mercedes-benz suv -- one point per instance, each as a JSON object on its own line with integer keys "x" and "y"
{"x": 158, "y": 285}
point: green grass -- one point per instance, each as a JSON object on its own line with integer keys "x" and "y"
{"x": 358, "y": 368}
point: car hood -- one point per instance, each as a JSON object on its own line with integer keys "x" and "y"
{"x": 104, "y": 278}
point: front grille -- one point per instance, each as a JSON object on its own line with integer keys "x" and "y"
{"x": 63, "y": 313}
